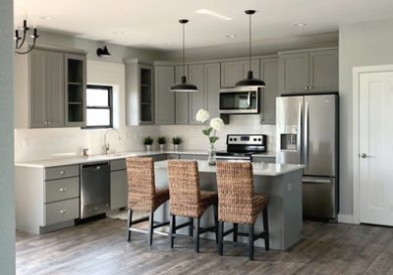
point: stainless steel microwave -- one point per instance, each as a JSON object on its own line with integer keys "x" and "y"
{"x": 241, "y": 100}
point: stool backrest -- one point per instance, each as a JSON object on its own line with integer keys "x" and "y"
{"x": 184, "y": 188}
{"x": 141, "y": 187}
{"x": 235, "y": 189}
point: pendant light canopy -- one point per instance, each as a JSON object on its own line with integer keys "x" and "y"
{"x": 250, "y": 80}
{"x": 183, "y": 86}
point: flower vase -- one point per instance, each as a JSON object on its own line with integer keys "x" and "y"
{"x": 148, "y": 147}
{"x": 162, "y": 147}
{"x": 211, "y": 155}
{"x": 176, "y": 147}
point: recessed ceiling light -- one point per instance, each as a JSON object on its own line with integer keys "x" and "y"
{"x": 47, "y": 17}
{"x": 231, "y": 36}
{"x": 169, "y": 43}
{"x": 118, "y": 33}
{"x": 300, "y": 25}
{"x": 214, "y": 14}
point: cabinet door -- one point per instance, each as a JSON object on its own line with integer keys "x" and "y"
{"x": 146, "y": 113}
{"x": 46, "y": 89}
{"x": 234, "y": 71}
{"x": 196, "y": 100}
{"x": 118, "y": 189}
{"x": 165, "y": 100}
{"x": 293, "y": 73}
{"x": 269, "y": 73}
{"x": 75, "y": 90}
{"x": 212, "y": 88}
{"x": 181, "y": 98}
{"x": 323, "y": 71}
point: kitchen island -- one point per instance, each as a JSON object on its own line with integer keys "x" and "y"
{"x": 281, "y": 182}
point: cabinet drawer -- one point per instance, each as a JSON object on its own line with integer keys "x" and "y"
{"x": 62, "y": 211}
{"x": 61, "y": 172}
{"x": 61, "y": 189}
{"x": 118, "y": 164}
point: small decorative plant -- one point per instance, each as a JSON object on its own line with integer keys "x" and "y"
{"x": 161, "y": 140}
{"x": 148, "y": 141}
{"x": 176, "y": 140}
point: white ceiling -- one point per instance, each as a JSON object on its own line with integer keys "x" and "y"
{"x": 153, "y": 23}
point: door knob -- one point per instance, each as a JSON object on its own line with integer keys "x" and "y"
{"x": 363, "y": 156}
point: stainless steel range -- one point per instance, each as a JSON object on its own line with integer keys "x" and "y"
{"x": 241, "y": 147}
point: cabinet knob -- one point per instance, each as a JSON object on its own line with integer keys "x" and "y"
{"x": 62, "y": 172}
{"x": 63, "y": 189}
{"x": 62, "y": 211}
{"x": 45, "y": 122}
{"x": 49, "y": 122}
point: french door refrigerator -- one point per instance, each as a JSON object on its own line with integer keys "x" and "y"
{"x": 307, "y": 133}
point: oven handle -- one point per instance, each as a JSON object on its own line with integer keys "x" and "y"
{"x": 232, "y": 158}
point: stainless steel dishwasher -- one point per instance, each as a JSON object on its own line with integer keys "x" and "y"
{"x": 95, "y": 189}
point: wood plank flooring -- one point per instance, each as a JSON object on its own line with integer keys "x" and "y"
{"x": 100, "y": 247}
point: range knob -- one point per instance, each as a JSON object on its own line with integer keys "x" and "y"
{"x": 255, "y": 139}
{"x": 235, "y": 139}
{"x": 230, "y": 139}
{"x": 259, "y": 139}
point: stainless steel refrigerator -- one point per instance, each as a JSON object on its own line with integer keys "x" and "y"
{"x": 307, "y": 133}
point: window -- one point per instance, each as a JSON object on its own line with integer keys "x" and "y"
{"x": 99, "y": 106}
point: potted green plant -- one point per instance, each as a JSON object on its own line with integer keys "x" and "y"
{"x": 148, "y": 141}
{"x": 161, "y": 141}
{"x": 176, "y": 142}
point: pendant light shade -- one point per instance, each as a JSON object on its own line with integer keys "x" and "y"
{"x": 183, "y": 86}
{"x": 250, "y": 80}
{"x": 103, "y": 52}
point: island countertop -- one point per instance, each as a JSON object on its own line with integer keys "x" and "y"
{"x": 259, "y": 168}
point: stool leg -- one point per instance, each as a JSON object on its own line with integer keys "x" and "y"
{"x": 196, "y": 235}
{"x": 251, "y": 242}
{"x": 172, "y": 229}
{"x": 266, "y": 228}
{"x": 191, "y": 227}
{"x": 151, "y": 223}
{"x": 215, "y": 209}
{"x": 129, "y": 223}
{"x": 235, "y": 231}
{"x": 220, "y": 238}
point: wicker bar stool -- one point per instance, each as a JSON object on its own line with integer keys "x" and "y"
{"x": 237, "y": 203}
{"x": 187, "y": 200}
{"x": 142, "y": 194}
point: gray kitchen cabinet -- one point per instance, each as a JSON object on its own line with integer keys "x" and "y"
{"x": 269, "y": 73}
{"x": 308, "y": 71}
{"x": 75, "y": 90}
{"x": 119, "y": 184}
{"x": 182, "y": 99}
{"x": 50, "y": 88}
{"x": 139, "y": 93}
{"x": 46, "y": 199}
{"x": 164, "y": 79}
{"x": 212, "y": 88}
{"x": 46, "y": 83}
{"x": 196, "y": 100}
{"x": 234, "y": 71}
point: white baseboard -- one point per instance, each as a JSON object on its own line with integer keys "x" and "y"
{"x": 342, "y": 218}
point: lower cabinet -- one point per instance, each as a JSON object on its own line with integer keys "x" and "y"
{"x": 119, "y": 184}
{"x": 46, "y": 199}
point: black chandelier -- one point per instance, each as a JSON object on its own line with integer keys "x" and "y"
{"x": 21, "y": 39}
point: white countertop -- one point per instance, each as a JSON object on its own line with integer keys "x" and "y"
{"x": 259, "y": 168}
{"x": 60, "y": 161}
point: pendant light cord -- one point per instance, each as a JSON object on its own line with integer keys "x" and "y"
{"x": 250, "y": 44}
{"x": 184, "y": 50}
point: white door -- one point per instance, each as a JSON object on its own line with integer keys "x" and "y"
{"x": 376, "y": 147}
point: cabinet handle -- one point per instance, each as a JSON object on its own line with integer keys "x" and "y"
{"x": 62, "y": 211}
{"x": 310, "y": 87}
{"x": 45, "y": 122}
{"x": 306, "y": 88}
{"x": 62, "y": 172}
{"x": 63, "y": 189}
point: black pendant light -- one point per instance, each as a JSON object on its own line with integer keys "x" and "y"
{"x": 103, "y": 52}
{"x": 250, "y": 80}
{"x": 183, "y": 86}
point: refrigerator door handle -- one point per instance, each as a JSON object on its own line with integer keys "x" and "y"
{"x": 314, "y": 180}
{"x": 299, "y": 132}
{"x": 305, "y": 153}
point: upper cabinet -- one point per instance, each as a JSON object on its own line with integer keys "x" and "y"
{"x": 51, "y": 89}
{"x": 233, "y": 71}
{"x": 164, "y": 79}
{"x": 139, "y": 93}
{"x": 308, "y": 71}
{"x": 269, "y": 73}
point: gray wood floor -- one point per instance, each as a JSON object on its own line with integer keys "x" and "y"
{"x": 100, "y": 247}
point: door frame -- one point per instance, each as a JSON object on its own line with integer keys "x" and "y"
{"x": 356, "y": 74}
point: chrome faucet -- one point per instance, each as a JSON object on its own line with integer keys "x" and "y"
{"x": 106, "y": 144}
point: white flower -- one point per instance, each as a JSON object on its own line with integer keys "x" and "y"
{"x": 202, "y": 115}
{"x": 217, "y": 123}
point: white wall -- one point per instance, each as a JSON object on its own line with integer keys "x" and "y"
{"x": 7, "y": 204}
{"x": 361, "y": 44}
